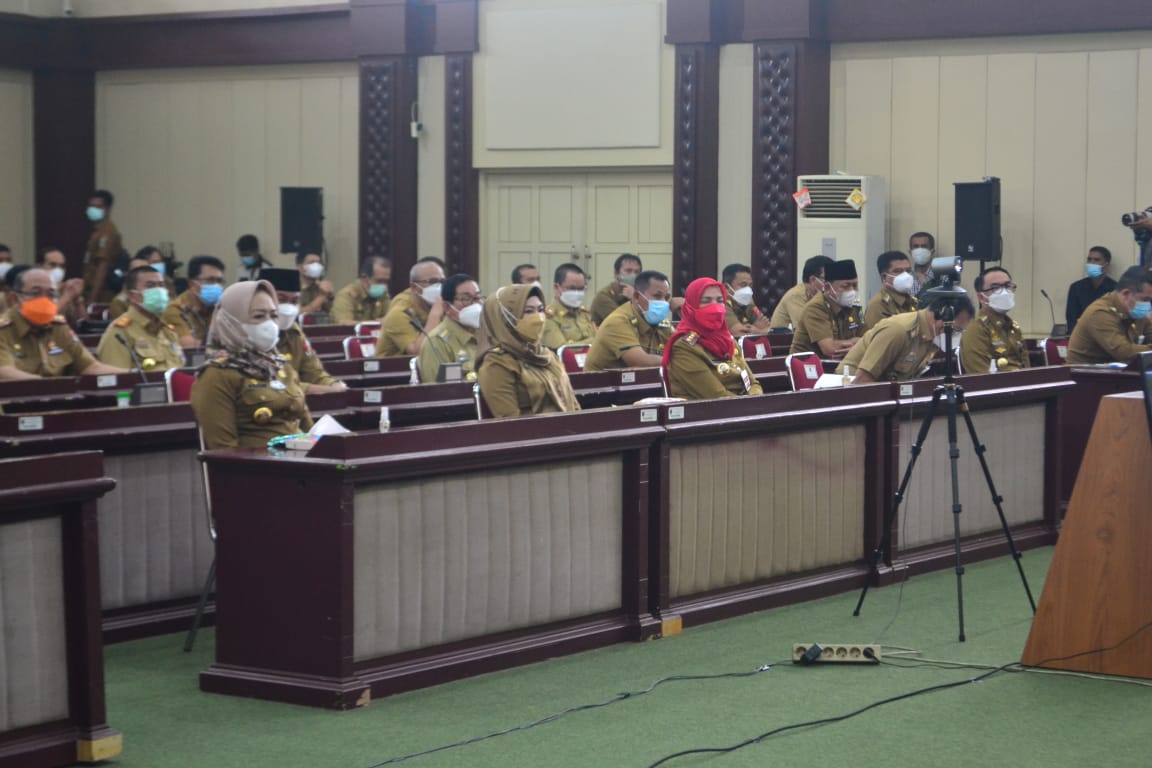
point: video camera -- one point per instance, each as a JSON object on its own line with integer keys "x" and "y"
{"x": 1128, "y": 219}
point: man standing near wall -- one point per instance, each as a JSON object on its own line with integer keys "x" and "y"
{"x": 104, "y": 245}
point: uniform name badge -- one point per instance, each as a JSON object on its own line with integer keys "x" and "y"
{"x": 55, "y": 350}
{"x": 746, "y": 379}
{"x": 276, "y": 384}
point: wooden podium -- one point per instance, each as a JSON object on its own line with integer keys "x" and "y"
{"x": 1099, "y": 587}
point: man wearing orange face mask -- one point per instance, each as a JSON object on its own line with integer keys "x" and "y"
{"x": 35, "y": 339}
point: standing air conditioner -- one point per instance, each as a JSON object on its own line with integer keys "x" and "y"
{"x": 833, "y": 228}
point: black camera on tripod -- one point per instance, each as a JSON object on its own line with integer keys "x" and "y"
{"x": 1128, "y": 219}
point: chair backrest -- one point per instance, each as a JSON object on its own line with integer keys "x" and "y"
{"x": 804, "y": 369}
{"x": 1055, "y": 351}
{"x": 359, "y": 347}
{"x": 368, "y": 328}
{"x": 178, "y": 382}
{"x": 756, "y": 347}
{"x": 573, "y": 356}
{"x": 306, "y": 318}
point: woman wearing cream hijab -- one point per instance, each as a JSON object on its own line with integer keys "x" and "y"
{"x": 246, "y": 394}
{"x": 517, "y": 375}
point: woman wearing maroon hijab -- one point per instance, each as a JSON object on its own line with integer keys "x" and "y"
{"x": 701, "y": 360}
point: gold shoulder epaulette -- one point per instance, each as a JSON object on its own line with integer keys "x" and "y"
{"x": 5, "y": 322}
{"x": 60, "y": 320}
{"x": 692, "y": 338}
{"x": 549, "y": 312}
{"x": 123, "y": 321}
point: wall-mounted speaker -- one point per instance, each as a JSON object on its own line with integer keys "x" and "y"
{"x": 301, "y": 219}
{"x": 978, "y": 220}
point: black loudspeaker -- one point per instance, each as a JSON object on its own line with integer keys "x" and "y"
{"x": 301, "y": 219}
{"x": 978, "y": 220}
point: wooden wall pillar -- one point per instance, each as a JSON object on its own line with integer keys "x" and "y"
{"x": 461, "y": 180}
{"x": 695, "y": 169}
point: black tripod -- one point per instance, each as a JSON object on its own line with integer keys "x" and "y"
{"x": 953, "y": 395}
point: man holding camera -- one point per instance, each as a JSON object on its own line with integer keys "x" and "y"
{"x": 1141, "y": 225}
{"x": 1116, "y": 327}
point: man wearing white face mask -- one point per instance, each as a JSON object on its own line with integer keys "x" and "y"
{"x": 567, "y": 320}
{"x": 293, "y": 346}
{"x": 742, "y": 315}
{"x": 994, "y": 341}
{"x": 71, "y": 302}
{"x": 921, "y": 247}
{"x": 895, "y": 296}
{"x": 454, "y": 340}
{"x": 316, "y": 294}
{"x": 405, "y": 327}
{"x": 832, "y": 322}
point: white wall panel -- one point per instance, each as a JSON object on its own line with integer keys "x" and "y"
{"x": 915, "y": 145}
{"x": 17, "y": 194}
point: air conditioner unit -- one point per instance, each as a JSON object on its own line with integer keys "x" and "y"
{"x": 833, "y": 228}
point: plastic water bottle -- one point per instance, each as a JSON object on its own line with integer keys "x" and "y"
{"x": 385, "y": 419}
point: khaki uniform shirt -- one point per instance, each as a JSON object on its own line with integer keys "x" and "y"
{"x": 449, "y": 342}
{"x": 118, "y": 306}
{"x": 992, "y": 336}
{"x": 887, "y": 303}
{"x": 234, "y": 410}
{"x": 693, "y": 372}
{"x": 824, "y": 320}
{"x": 735, "y": 314}
{"x": 353, "y": 305}
{"x": 564, "y": 325}
{"x": 293, "y": 346}
{"x": 309, "y": 294}
{"x": 43, "y": 350}
{"x": 1106, "y": 334}
{"x": 791, "y": 307}
{"x": 188, "y": 316}
{"x": 400, "y": 327}
{"x": 508, "y": 392}
{"x": 104, "y": 245}
{"x": 605, "y": 302}
{"x": 625, "y": 328}
{"x": 156, "y": 345}
{"x": 895, "y": 350}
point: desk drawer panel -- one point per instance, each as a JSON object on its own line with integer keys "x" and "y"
{"x": 1015, "y": 441}
{"x": 33, "y": 664}
{"x": 453, "y": 557}
{"x": 154, "y": 542}
{"x": 746, "y": 510}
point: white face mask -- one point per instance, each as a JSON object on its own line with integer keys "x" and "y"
{"x": 286, "y": 315}
{"x": 742, "y": 296}
{"x": 956, "y": 334}
{"x": 315, "y": 270}
{"x": 4, "y": 267}
{"x": 430, "y": 294}
{"x": 57, "y": 274}
{"x": 263, "y": 335}
{"x": 903, "y": 283}
{"x": 469, "y": 317}
{"x": 572, "y": 299}
{"x": 536, "y": 284}
{"x": 1002, "y": 300}
{"x": 921, "y": 256}
{"x": 846, "y": 298}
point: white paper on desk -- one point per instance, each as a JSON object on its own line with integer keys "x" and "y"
{"x": 327, "y": 426}
{"x": 658, "y": 400}
{"x": 829, "y": 380}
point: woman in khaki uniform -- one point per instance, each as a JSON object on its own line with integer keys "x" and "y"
{"x": 517, "y": 375}
{"x": 701, "y": 360}
{"x": 246, "y": 394}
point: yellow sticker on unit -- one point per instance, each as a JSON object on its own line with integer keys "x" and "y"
{"x": 856, "y": 199}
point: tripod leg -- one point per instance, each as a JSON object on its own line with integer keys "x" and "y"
{"x": 953, "y": 460}
{"x": 979, "y": 448}
{"x": 890, "y": 517}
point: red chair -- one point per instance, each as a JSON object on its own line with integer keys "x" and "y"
{"x": 359, "y": 347}
{"x": 1055, "y": 351}
{"x": 804, "y": 370}
{"x": 573, "y": 356}
{"x": 368, "y": 328}
{"x": 178, "y": 382}
{"x": 756, "y": 347}
{"x": 97, "y": 312}
{"x": 307, "y": 318}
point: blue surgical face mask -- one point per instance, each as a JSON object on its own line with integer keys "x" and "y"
{"x": 210, "y": 294}
{"x": 1094, "y": 270}
{"x": 158, "y": 266}
{"x": 154, "y": 300}
{"x": 95, "y": 214}
{"x": 657, "y": 312}
{"x": 376, "y": 290}
{"x": 248, "y": 261}
{"x": 1141, "y": 310}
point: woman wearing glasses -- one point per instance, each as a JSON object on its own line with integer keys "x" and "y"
{"x": 517, "y": 375}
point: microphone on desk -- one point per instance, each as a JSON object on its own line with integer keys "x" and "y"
{"x": 1059, "y": 330}
{"x": 137, "y": 365}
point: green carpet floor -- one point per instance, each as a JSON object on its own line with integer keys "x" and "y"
{"x": 1009, "y": 719}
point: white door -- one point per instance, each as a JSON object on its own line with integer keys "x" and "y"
{"x": 548, "y": 219}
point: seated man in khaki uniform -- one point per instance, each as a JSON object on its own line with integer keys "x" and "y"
{"x": 791, "y": 306}
{"x": 191, "y": 312}
{"x": 406, "y": 326}
{"x": 139, "y": 339}
{"x": 316, "y": 294}
{"x": 994, "y": 341}
{"x": 831, "y": 323}
{"x": 1116, "y": 327}
{"x": 567, "y": 320}
{"x": 619, "y": 291}
{"x": 293, "y": 346}
{"x": 35, "y": 340}
{"x": 895, "y": 294}
{"x": 526, "y": 274}
{"x": 901, "y": 346}
{"x": 119, "y": 304}
{"x": 634, "y": 335}
{"x": 742, "y": 316}
{"x": 365, "y": 298}
{"x": 454, "y": 340}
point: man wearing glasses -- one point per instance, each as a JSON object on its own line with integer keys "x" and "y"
{"x": 35, "y": 339}
{"x": 190, "y": 313}
{"x": 406, "y": 326}
{"x": 454, "y": 339}
{"x": 365, "y": 298}
{"x": 993, "y": 341}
